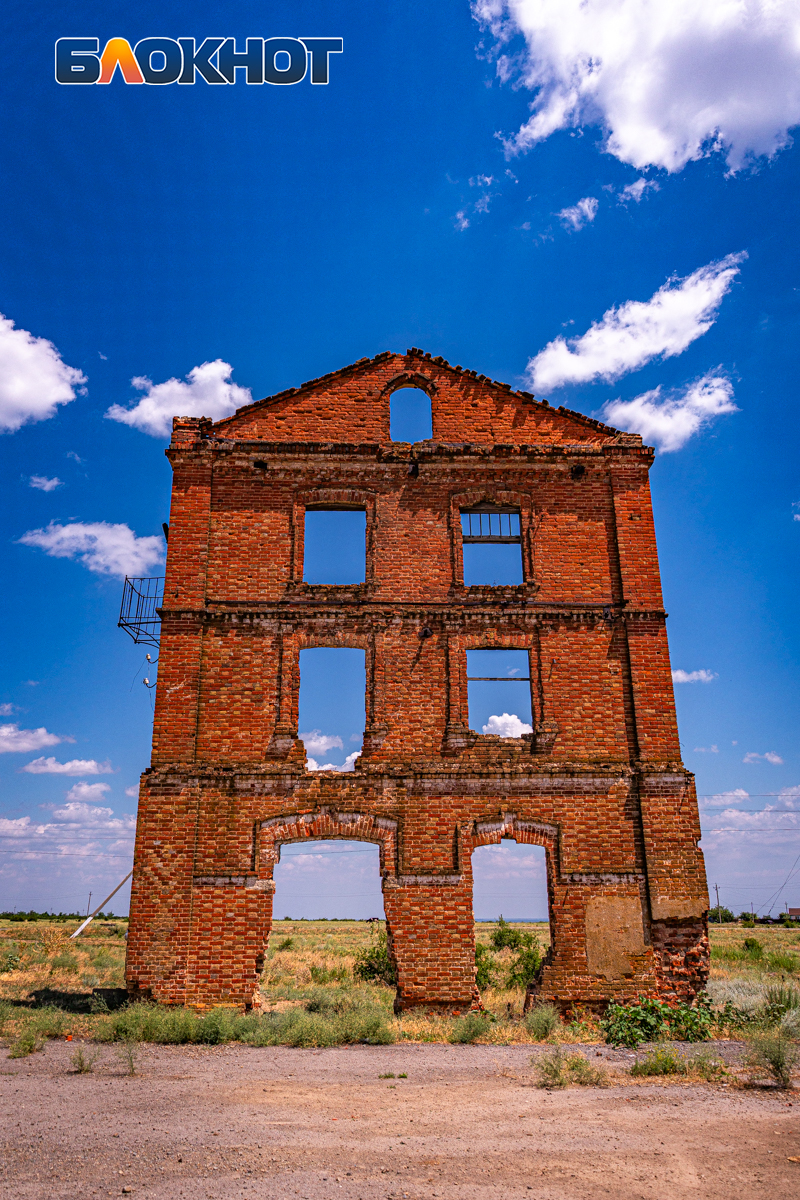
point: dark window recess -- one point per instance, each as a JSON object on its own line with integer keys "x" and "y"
{"x": 492, "y": 546}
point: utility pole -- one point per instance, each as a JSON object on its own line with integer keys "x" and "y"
{"x": 89, "y": 905}
{"x": 719, "y": 911}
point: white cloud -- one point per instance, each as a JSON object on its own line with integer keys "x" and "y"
{"x": 43, "y": 484}
{"x": 637, "y": 189}
{"x": 14, "y": 740}
{"x": 33, "y": 378}
{"x": 667, "y": 82}
{"x": 796, "y": 513}
{"x": 725, "y": 799}
{"x": 90, "y": 793}
{"x": 669, "y": 421}
{"x": 508, "y": 725}
{"x": 347, "y": 765}
{"x": 638, "y": 331}
{"x": 105, "y": 549}
{"x": 706, "y": 749}
{"x": 209, "y": 393}
{"x": 317, "y": 742}
{"x": 770, "y": 757}
{"x": 702, "y": 676}
{"x": 579, "y": 214}
{"x": 7, "y": 710}
{"x": 132, "y": 791}
{"x": 76, "y": 766}
{"x": 462, "y": 221}
{"x": 77, "y": 828}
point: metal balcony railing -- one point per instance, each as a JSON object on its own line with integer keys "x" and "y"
{"x": 139, "y": 615}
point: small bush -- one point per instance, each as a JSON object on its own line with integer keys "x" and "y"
{"x": 779, "y": 1000}
{"x": 485, "y": 966}
{"x": 322, "y": 974}
{"x": 558, "y": 1070}
{"x": 661, "y": 1061}
{"x": 83, "y": 1061}
{"x": 648, "y": 1020}
{"x": 781, "y": 960}
{"x": 506, "y": 938}
{"x": 27, "y": 1043}
{"x": 286, "y": 944}
{"x": 753, "y": 947}
{"x": 374, "y": 962}
{"x": 10, "y": 961}
{"x": 128, "y": 1055}
{"x": 773, "y": 1053}
{"x": 468, "y": 1028}
{"x": 542, "y": 1021}
{"x": 64, "y": 962}
{"x": 525, "y": 967}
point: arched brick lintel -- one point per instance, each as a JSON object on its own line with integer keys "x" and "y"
{"x": 325, "y": 824}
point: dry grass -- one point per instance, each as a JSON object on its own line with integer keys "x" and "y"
{"x": 306, "y": 957}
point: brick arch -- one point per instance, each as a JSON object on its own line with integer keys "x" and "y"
{"x": 409, "y": 379}
{"x": 325, "y": 824}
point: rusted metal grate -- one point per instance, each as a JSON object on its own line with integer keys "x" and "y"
{"x": 489, "y": 525}
{"x": 139, "y": 614}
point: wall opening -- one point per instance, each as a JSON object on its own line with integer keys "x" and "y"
{"x": 492, "y": 546}
{"x": 510, "y": 880}
{"x": 332, "y": 711}
{"x": 334, "y": 546}
{"x": 319, "y": 879}
{"x": 410, "y": 415}
{"x": 499, "y": 692}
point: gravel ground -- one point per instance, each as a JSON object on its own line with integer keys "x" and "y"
{"x": 467, "y": 1123}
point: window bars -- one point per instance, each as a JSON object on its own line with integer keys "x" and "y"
{"x": 139, "y": 613}
{"x": 490, "y": 524}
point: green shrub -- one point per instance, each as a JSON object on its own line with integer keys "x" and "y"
{"x": 27, "y": 1043}
{"x": 83, "y": 1060}
{"x": 64, "y": 962}
{"x": 648, "y": 1020}
{"x": 779, "y": 1000}
{"x": 524, "y": 969}
{"x": 485, "y": 966}
{"x": 773, "y": 1053}
{"x": 720, "y": 915}
{"x": 506, "y": 938}
{"x": 286, "y": 944}
{"x": 374, "y": 962}
{"x": 9, "y": 961}
{"x": 753, "y": 947}
{"x": 468, "y": 1028}
{"x": 321, "y": 974}
{"x": 661, "y": 1061}
{"x": 542, "y": 1021}
{"x": 781, "y": 960}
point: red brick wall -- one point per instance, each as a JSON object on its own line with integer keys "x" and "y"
{"x": 599, "y": 783}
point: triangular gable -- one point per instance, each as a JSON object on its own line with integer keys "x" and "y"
{"x": 351, "y": 405}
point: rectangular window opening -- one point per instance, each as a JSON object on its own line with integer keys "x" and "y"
{"x": 499, "y": 692}
{"x": 332, "y": 711}
{"x": 492, "y": 546}
{"x": 335, "y": 549}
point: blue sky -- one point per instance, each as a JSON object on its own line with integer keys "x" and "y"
{"x": 464, "y": 183}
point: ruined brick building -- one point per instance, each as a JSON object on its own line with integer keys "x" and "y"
{"x": 598, "y": 783}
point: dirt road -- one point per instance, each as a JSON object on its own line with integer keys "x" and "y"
{"x": 465, "y": 1124}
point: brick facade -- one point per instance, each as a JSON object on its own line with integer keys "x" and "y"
{"x": 599, "y": 783}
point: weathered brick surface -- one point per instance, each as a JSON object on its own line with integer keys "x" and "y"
{"x": 599, "y": 784}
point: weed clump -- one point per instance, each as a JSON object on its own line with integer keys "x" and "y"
{"x": 469, "y": 1028}
{"x": 558, "y": 1070}
{"x": 665, "y": 1060}
{"x": 648, "y": 1020}
{"x": 83, "y": 1061}
{"x": 542, "y": 1021}
{"x": 774, "y": 1054}
{"x": 525, "y": 967}
{"x": 374, "y": 963}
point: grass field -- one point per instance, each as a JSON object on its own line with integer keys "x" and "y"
{"x": 309, "y": 969}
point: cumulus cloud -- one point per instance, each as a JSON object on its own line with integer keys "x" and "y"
{"x": 132, "y": 791}
{"x": 507, "y": 725}
{"x": 6, "y": 710}
{"x": 105, "y": 549}
{"x": 76, "y": 766}
{"x": 637, "y": 189}
{"x": 579, "y": 214}
{"x": 43, "y": 484}
{"x": 706, "y": 749}
{"x": 770, "y": 757}
{"x": 208, "y": 393}
{"x": 33, "y": 378}
{"x": 667, "y": 83}
{"x": 725, "y": 799}
{"x": 638, "y": 331}
{"x": 702, "y": 676}
{"x": 317, "y": 742}
{"x": 668, "y": 419}
{"x": 347, "y": 765}
{"x": 14, "y": 740}
{"x": 77, "y": 829}
{"x": 89, "y": 793}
